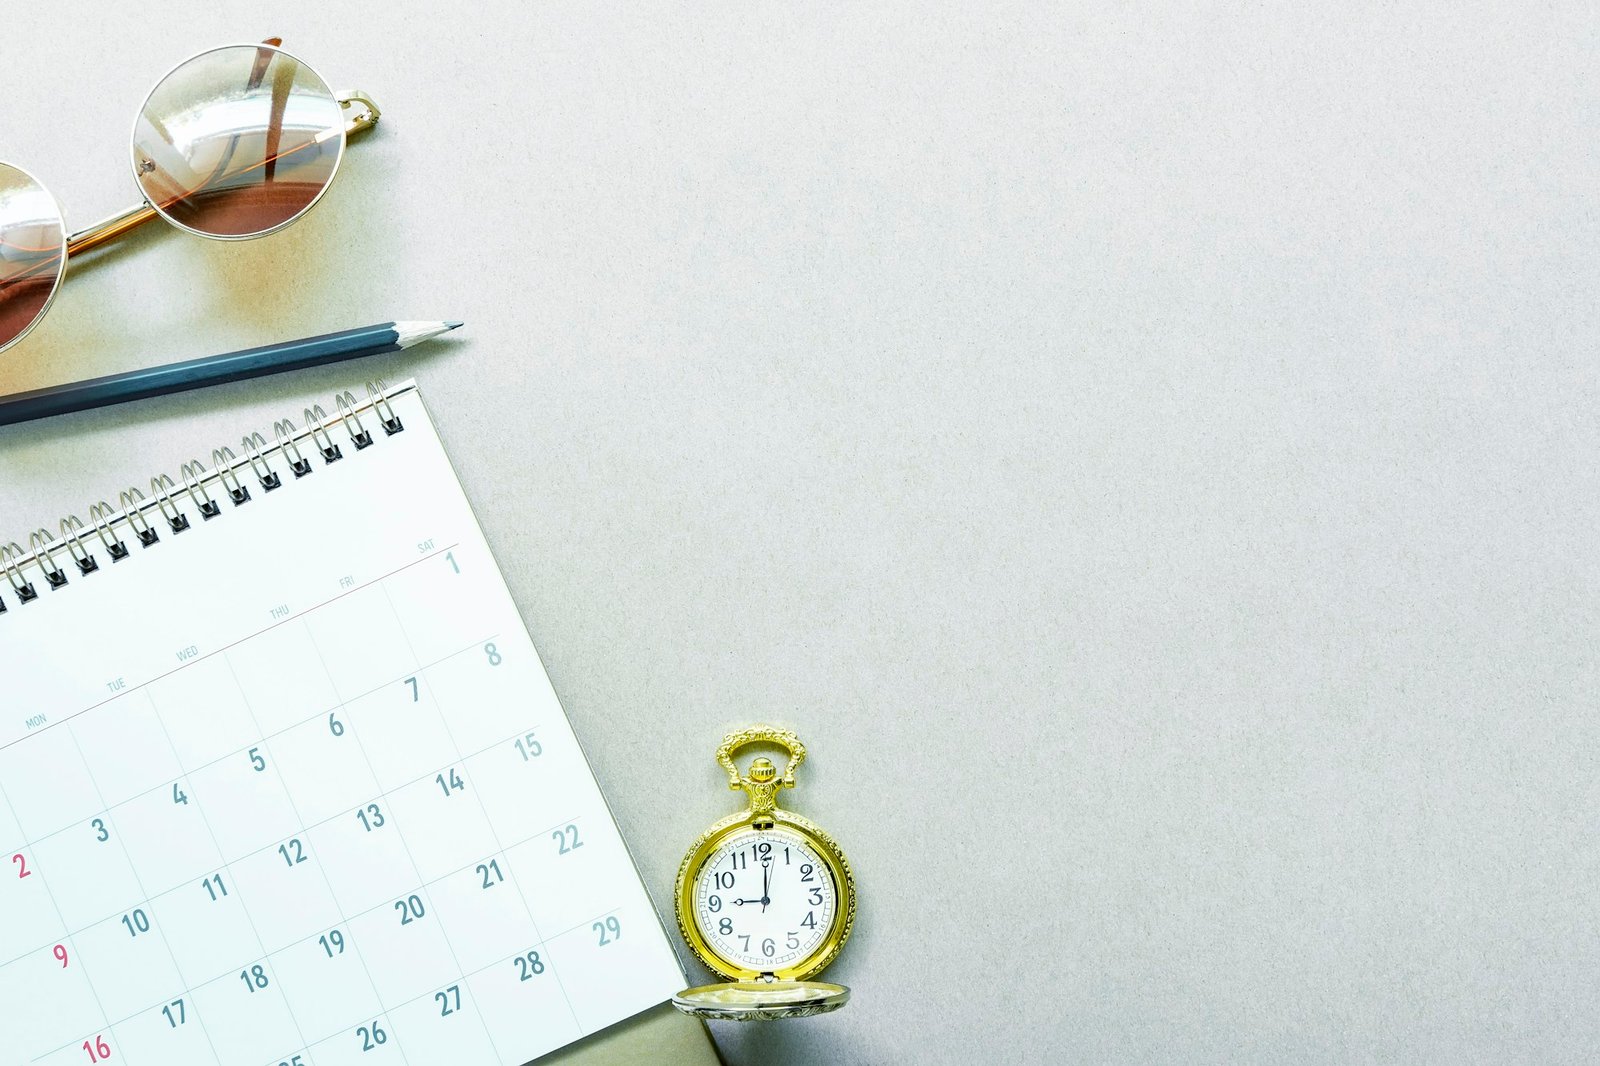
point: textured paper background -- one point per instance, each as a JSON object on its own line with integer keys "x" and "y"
{"x": 1147, "y": 453}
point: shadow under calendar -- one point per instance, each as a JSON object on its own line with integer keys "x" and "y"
{"x": 309, "y": 798}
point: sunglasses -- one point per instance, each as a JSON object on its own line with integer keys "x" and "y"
{"x": 234, "y": 143}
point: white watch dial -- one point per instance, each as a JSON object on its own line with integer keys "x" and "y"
{"x": 764, "y": 899}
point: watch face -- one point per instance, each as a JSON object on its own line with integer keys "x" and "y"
{"x": 765, "y": 899}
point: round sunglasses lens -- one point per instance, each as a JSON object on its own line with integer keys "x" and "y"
{"x": 33, "y": 252}
{"x": 237, "y": 142}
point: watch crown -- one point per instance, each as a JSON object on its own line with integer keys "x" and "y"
{"x": 763, "y": 770}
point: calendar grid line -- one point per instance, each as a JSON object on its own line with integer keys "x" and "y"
{"x": 137, "y": 880}
{"x": 478, "y": 798}
{"x": 485, "y": 968}
{"x": 306, "y": 830}
{"x": 226, "y": 866}
{"x": 542, "y": 942}
{"x": 321, "y": 871}
{"x": 387, "y": 1009}
{"x": 29, "y": 843}
{"x": 268, "y": 698}
{"x": 233, "y": 644}
{"x": 404, "y": 843}
{"x": 66, "y": 937}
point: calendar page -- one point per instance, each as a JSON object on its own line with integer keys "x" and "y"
{"x": 290, "y": 787}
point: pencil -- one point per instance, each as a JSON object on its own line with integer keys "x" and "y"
{"x": 216, "y": 369}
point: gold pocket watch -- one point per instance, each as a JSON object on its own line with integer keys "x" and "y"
{"x": 765, "y": 898}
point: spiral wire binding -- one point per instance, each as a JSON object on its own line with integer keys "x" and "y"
{"x": 101, "y": 514}
{"x": 72, "y": 535}
{"x": 168, "y": 498}
{"x": 39, "y": 544}
{"x": 253, "y": 446}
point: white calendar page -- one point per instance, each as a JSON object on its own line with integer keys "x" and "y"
{"x": 292, "y": 787}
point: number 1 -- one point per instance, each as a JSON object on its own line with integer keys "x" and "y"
{"x": 453, "y": 565}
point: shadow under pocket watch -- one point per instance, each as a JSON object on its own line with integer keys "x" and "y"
{"x": 764, "y": 898}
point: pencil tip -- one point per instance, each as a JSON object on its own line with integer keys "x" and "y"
{"x": 454, "y": 325}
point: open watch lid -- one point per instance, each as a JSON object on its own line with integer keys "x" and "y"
{"x": 754, "y": 1001}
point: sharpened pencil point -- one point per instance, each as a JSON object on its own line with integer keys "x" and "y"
{"x": 454, "y": 325}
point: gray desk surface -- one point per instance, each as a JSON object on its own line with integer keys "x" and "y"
{"x": 1149, "y": 455}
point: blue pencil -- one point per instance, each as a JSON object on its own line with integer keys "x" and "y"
{"x": 216, "y": 369}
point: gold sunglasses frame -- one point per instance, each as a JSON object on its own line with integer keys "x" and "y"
{"x": 361, "y": 113}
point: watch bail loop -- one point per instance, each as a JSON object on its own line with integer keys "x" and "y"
{"x": 763, "y": 781}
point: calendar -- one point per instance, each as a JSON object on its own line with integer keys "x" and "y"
{"x": 283, "y": 781}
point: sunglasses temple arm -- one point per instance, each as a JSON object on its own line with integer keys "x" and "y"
{"x": 361, "y": 113}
